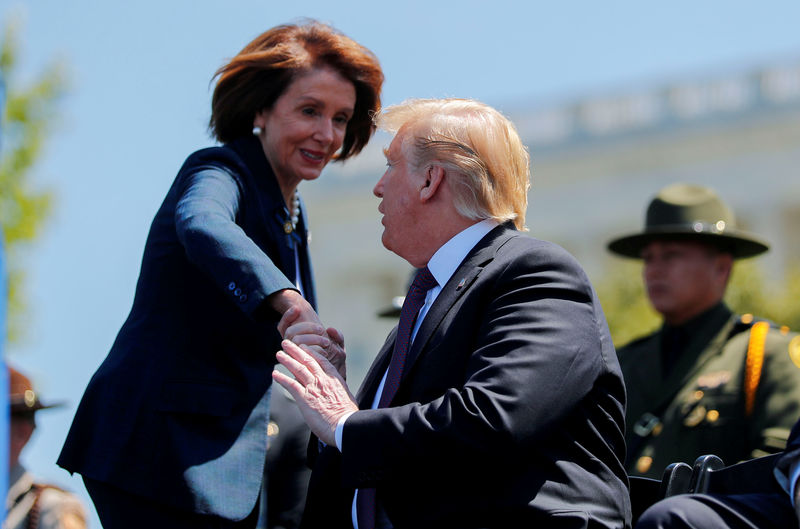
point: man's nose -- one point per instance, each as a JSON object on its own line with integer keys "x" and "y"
{"x": 378, "y": 189}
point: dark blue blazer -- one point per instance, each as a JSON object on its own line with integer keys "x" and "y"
{"x": 178, "y": 410}
{"x": 509, "y": 413}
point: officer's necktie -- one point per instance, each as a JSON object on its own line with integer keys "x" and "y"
{"x": 423, "y": 281}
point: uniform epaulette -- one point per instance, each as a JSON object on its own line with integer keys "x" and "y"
{"x": 754, "y": 359}
{"x": 746, "y": 321}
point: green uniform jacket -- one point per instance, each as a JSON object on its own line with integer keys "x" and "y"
{"x": 700, "y": 407}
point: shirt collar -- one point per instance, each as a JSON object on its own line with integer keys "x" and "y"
{"x": 719, "y": 314}
{"x": 448, "y": 257}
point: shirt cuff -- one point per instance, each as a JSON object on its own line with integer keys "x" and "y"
{"x": 339, "y": 429}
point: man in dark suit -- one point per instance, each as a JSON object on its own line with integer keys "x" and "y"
{"x": 498, "y": 400}
{"x": 774, "y": 508}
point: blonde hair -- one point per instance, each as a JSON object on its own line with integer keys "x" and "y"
{"x": 487, "y": 164}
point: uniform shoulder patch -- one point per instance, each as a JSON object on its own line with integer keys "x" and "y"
{"x": 746, "y": 321}
{"x": 794, "y": 350}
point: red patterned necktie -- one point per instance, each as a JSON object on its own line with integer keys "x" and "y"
{"x": 423, "y": 281}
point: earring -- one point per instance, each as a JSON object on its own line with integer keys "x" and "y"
{"x": 257, "y": 131}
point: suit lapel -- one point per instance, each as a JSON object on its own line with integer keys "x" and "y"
{"x": 307, "y": 274}
{"x": 460, "y": 282}
{"x": 270, "y": 201}
{"x": 366, "y": 392}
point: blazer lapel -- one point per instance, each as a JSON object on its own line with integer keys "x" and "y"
{"x": 461, "y": 281}
{"x": 307, "y": 274}
{"x": 271, "y": 205}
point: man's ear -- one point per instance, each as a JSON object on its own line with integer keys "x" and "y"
{"x": 723, "y": 267}
{"x": 434, "y": 177}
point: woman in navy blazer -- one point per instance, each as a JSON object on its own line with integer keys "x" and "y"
{"x": 172, "y": 428}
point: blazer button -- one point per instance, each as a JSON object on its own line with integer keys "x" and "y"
{"x": 243, "y": 298}
{"x": 237, "y": 292}
{"x": 231, "y": 285}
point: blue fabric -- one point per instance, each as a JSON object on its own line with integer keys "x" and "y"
{"x": 4, "y": 405}
{"x": 178, "y": 410}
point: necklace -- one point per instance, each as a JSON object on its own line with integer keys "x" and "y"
{"x": 294, "y": 215}
{"x": 295, "y": 208}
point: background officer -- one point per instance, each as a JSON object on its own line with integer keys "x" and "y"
{"x": 32, "y": 505}
{"x": 708, "y": 381}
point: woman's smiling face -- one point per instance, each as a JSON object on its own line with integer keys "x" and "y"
{"x": 306, "y": 125}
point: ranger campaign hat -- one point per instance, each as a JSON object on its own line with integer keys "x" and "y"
{"x": 689, "y": 212}
{"x": 22, "y": 398}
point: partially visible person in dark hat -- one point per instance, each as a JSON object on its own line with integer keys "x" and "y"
{"x": 708, "y": 381}
{"x": 31, "y": 504}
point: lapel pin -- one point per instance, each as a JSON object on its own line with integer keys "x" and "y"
{"x": 461, "y": 283}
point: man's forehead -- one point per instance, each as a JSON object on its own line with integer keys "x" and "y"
{"x": 394, "y": 150}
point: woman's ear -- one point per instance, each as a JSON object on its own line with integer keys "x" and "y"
{"x": 434, "y": 177}
{"x": 260, "y": 119}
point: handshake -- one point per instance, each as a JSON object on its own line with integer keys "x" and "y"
{"x": 315, "y": 357}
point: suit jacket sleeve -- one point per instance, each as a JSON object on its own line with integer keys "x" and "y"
{"x": 536, "y": 354}
{"x": 788, "y": 465}
{"x": 205, "y": 220}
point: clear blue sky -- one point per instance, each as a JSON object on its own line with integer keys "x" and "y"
{"x": 138, "y": 103}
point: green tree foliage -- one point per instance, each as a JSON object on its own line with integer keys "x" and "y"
{"x": 28, "y": 118}
{"x": 629, "y": 314}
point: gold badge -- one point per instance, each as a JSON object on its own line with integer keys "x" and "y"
{"x": 287, "y": 227}
{"x": 695, "y": 417}
{"x": 643, "y": 464}
{"x": 794, "y": 350}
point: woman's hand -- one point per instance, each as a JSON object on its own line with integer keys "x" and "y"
{"x": 300, "y": 324}
{"x": 293, "y": 308}
{"x": 327, "y": 342}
